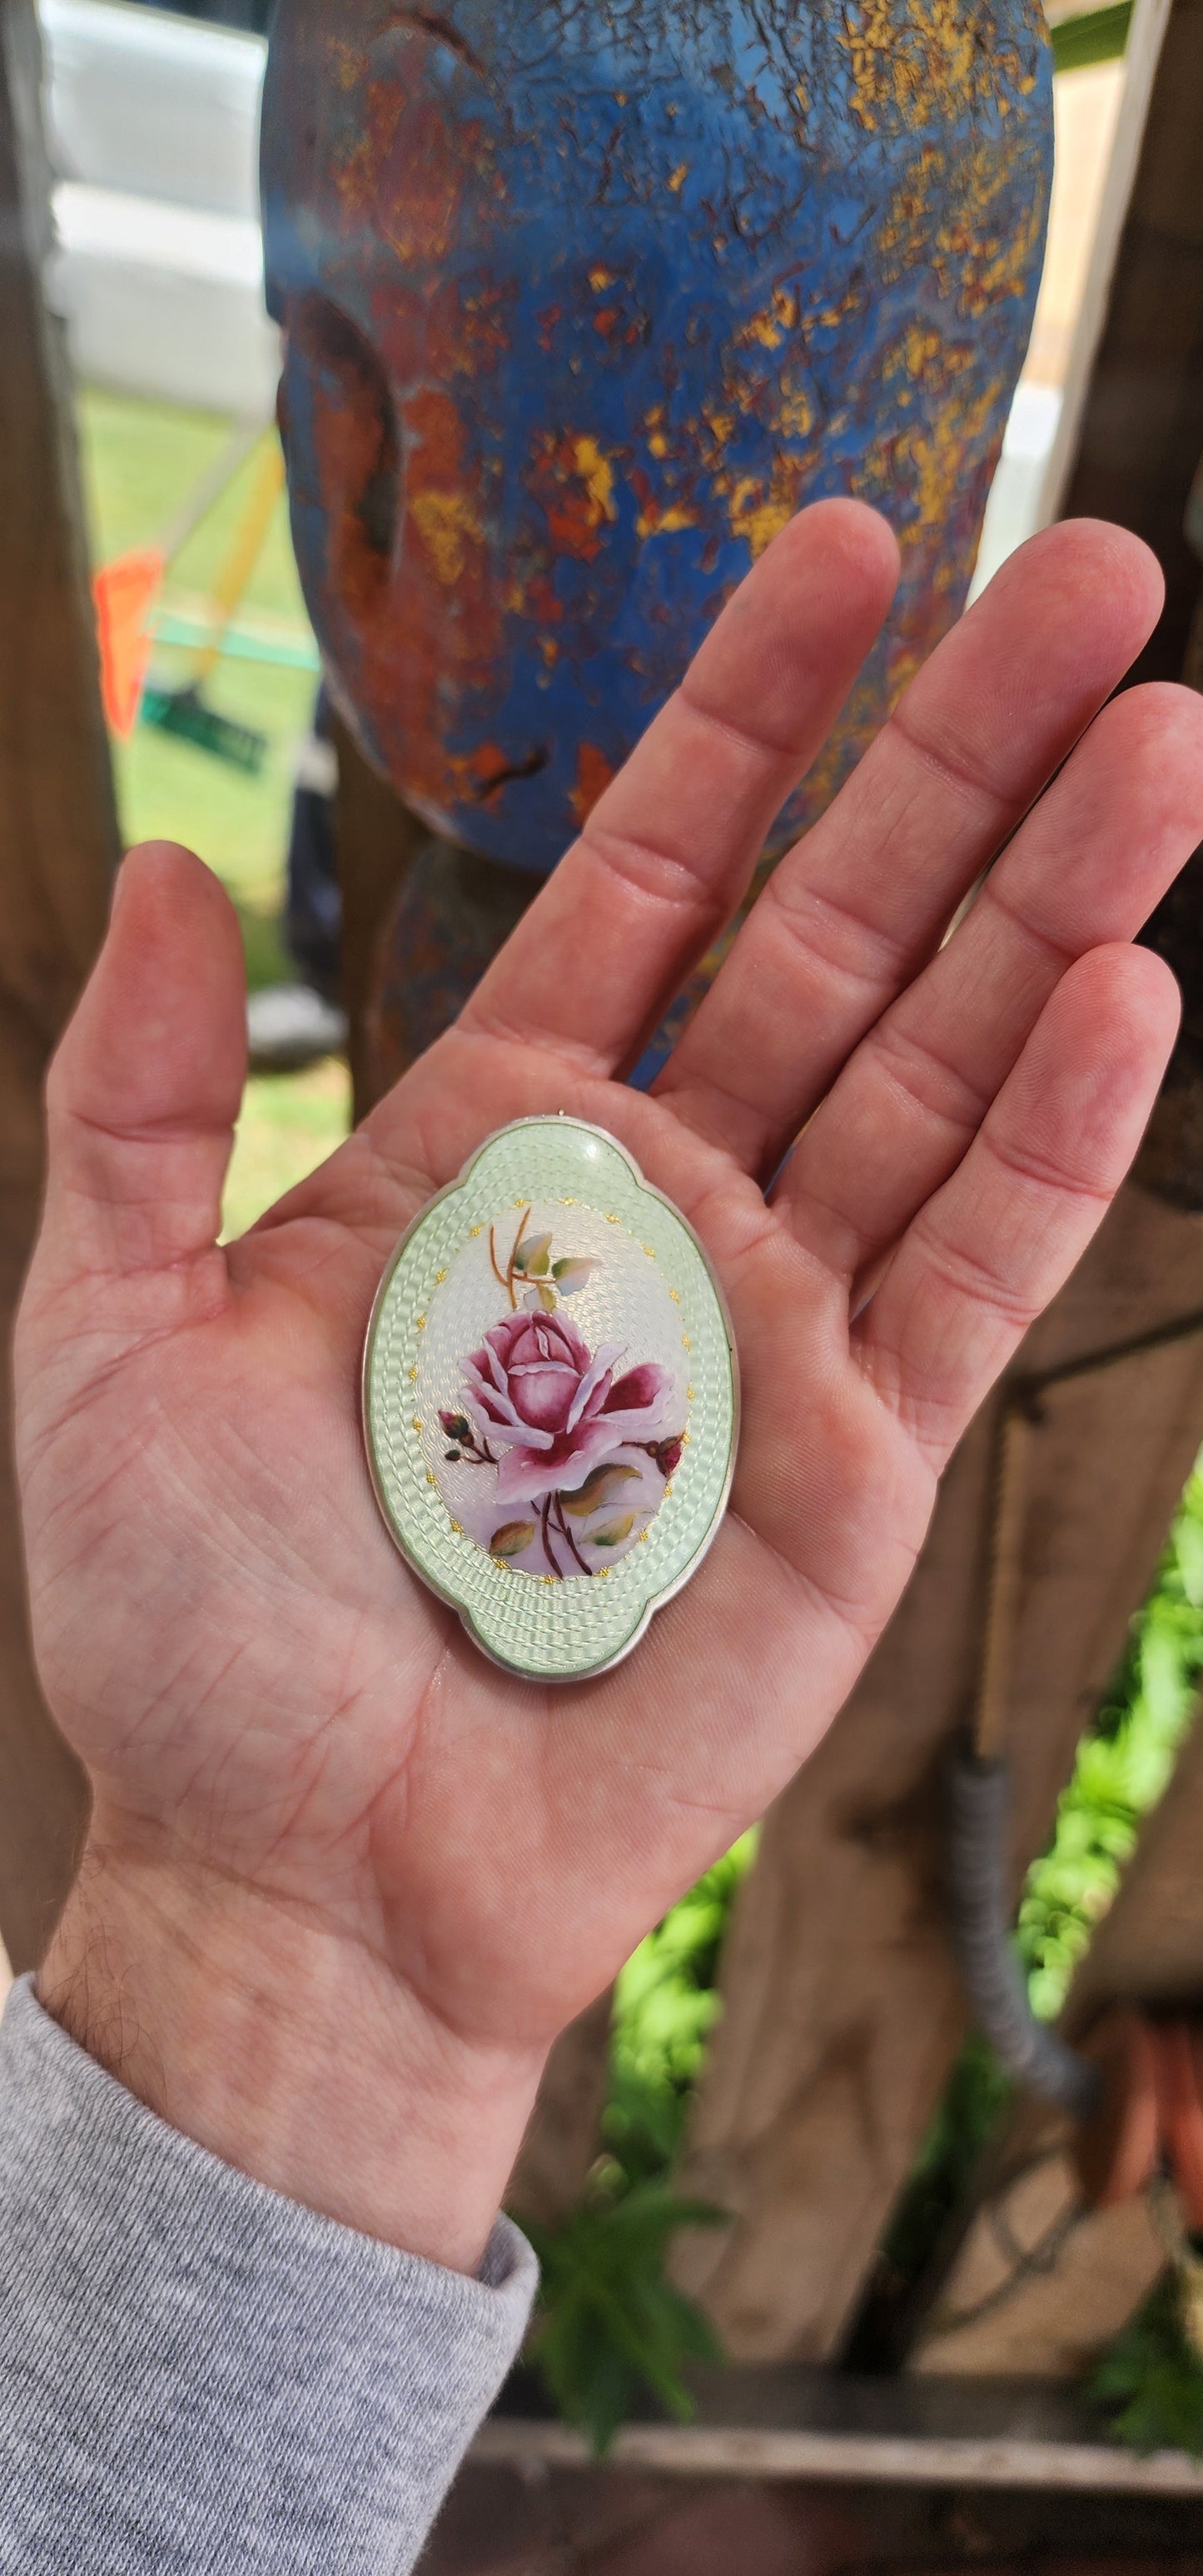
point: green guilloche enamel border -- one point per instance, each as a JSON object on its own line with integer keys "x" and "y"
{"x": 547, "y": 1631}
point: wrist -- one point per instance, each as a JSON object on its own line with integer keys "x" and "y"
{"x": 289, "y": 2051}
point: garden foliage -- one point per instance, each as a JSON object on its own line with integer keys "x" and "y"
{"x": 612, "y": 2325}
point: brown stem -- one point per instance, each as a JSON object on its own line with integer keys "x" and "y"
{"x": 562, "y": 1526}
{"x": 498, "y": 1272}
{"x": 543, "y": 1532}
{"x": 509, "y": 1276}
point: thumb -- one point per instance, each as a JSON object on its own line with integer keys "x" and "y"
{"x": 143, "y": 1094}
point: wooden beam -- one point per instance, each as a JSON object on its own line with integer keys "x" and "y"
{"x": 1146, "y": 35}
{"x": 887, "y": 2459}
{"x": 1141, "y": 416}
{"x": 58, "y": 848}
{"x": 842, "y": 2005}
{"x": 1035, "y": 2286}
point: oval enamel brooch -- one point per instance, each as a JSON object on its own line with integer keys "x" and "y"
{"x": 551, "y": 1398}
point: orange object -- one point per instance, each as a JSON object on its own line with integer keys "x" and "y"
{"x": 124, "y": 593}
{"x": 1115, "y": 2151}
{"x": 1178, "y": 2046}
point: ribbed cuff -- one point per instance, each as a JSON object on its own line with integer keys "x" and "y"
{"x": 199, "y": 2375}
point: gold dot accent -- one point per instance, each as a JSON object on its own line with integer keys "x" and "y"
{"x": 667, "y": 1492}
{"x": 570, "y": 1202}
{"x": 675, "y": 1295}
{"x": 685, "y": 1439}
{"x": 643, "y": 1537}
{"x": 412, "y": 1374}
{"x": 611, "y": 1220}
{"x": 421, "y": 1323}
{"x": 521, "y": 1203}
{"x": 689, "y": 1393}
{"x": 475, "y": 1230}
{"x": 650, "y": 1250}
{"x": 439, "y": 1277}
{"x": 417, "y": 1421}
{"x": 429, "y": 1478}
{"x": 686, "y": 1344}
{"x": 455, "y": 1524}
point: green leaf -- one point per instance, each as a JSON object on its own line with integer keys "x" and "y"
{"x": 613, "y": 1532}
{"x": 610, "y": 2321}
{"x": 611, "y": 2324}
{"x": 572, "y": 1273}
{"x": 511, "y": 1539}
{"x": 530, "y": 1256}
{"x": 1152, "y": 2366}
{"x": 603, "y": 1486}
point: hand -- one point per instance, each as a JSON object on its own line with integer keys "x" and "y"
{"x": 344, "y": 1880}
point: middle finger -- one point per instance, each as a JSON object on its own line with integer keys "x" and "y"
{"x": 855, "y": 911}
{"x": 1084, "y": 872}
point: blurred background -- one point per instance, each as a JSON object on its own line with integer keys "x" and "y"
{"x": 153, "y": 121}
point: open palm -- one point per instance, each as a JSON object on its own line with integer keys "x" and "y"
{"x": 307, "y": 1781}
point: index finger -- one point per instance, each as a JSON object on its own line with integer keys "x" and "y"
{"x": 667, "y": 852}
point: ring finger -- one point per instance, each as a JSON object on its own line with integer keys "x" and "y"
{"x": 1085, "y": 870}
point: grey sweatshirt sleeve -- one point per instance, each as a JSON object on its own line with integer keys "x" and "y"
{"x": 200, "y": 2377}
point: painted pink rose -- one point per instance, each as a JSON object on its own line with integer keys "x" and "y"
{"x": 552, "y": 1407}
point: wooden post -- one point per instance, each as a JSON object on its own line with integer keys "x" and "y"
{"x": 1146, "y": 35}
{"x": 58, "y": 847}
{"x": 1141, "y": 424}
{"x": 376, "y": 838}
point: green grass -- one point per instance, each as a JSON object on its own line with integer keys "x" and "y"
{"x": 290, "y": 1122}
{"x": 140, "y": 462}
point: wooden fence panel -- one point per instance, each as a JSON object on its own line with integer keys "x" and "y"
{"x": 58, "y": 847}
{"x": 842, "y": 2005}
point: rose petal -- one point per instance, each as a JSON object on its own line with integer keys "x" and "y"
{"x": 598, "y": 1371}
{"x": 641, "y": 1387}
{"x": 526, "y": 1473}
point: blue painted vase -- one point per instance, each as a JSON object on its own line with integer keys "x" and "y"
{"x": 581, "y": 301}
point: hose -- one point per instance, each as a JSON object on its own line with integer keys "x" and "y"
{"x": 979, "y": 1908}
